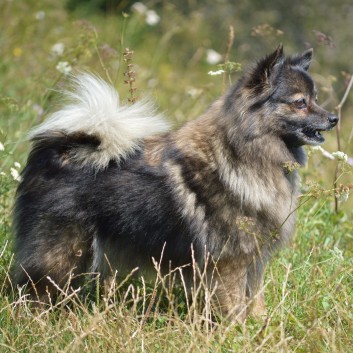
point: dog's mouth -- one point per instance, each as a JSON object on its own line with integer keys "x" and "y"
{"x": 307, "y": 135}
{"x": 313, "y": 136}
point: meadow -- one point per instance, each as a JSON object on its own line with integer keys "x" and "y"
{"x": 172, "y": 49}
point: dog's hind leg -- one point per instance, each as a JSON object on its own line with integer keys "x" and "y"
{"x": 52, "y": 262}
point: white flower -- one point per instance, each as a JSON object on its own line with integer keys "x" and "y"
{"x": 40, "y": 15}
{"x": 139, "y": 7}
{"x": 17, "y": 165}
{"x": 15, "y": 174}
{"x": 216, "y": 73}
{"x": 2, "y": 147}
{"x": 212, "y": 57}
{"x": 323, "y": 152}
{"x": 57, "y": 49}
{"x": 152, "y": 18}
{"x": 340, "y": 156}
{"x": 2, "y": 174}
{"x": 64, "y": 67}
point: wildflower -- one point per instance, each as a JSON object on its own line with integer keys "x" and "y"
{"x": 64, "y": 67}
{"x": 323, "y": 152}
{"x": 40, "y": 15}
{"x": 57, "y": 49}
{"x": 290, "y": 166}
{"x": 2, "y": 174}
{"x": 152, "y": 18}
{"x": 2, "y": 147}
{"x": 340, "y": 156}
{"x": 212, "y": 57}
{"x": 139, "y": 7}
{"x": 216, "y": 73}
{"x": 17, "y": 52}
{"x": 15, "y": 174}
{"x": 17, "y": 165}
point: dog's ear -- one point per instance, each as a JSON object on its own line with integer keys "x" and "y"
{"x": 260, "y": 76}
{"x": 302, "y": 60}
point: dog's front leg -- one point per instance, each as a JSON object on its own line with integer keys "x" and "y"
{"x": 231, "y": 279}
{"x": 255, "y": 290}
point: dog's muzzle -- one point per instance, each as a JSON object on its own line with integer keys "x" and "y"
{"x": 333, "y": 120}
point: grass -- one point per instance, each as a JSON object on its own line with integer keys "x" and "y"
{"x": 308, "y": 294}
{"x": 309, "y": 285}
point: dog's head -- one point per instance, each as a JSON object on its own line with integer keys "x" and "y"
{"x": 282, "y": 86}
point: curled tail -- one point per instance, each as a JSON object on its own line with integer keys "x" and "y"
{"x": 94, "y": 125}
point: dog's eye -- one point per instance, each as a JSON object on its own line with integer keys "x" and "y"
{"x": 300, "y": 103}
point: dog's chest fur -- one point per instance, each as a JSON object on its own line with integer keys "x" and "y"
{"x": 237, "y": 203}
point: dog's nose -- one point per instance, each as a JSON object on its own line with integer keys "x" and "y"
{"x": 333, "y": 119}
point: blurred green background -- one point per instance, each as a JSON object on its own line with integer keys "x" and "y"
{"x": 175, "y": 44}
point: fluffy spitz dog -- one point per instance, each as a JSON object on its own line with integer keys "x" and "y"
{"x": 107, "y": 187}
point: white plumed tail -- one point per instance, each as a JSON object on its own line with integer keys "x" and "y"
{"x": 95, "y": 111}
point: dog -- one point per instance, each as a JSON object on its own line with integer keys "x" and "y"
{"x": 109, "y": 187}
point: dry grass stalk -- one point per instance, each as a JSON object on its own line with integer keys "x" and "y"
{"x": 130, "y": 74}
{"x": 338, "y": 132}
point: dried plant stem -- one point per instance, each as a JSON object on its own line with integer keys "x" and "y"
{"x": 338, "y": 132}
{"x": 99, "y": 55}
{"x": 345, "y": 97}
{"x": 130, "y": 74}
{"x": 227, "y": 54}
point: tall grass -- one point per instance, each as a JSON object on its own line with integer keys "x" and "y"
{"x": 308, "y": 294}
{"x": 308, "y": 286}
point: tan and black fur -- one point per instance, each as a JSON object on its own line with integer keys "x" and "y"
{"x": 107, "y": 188}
